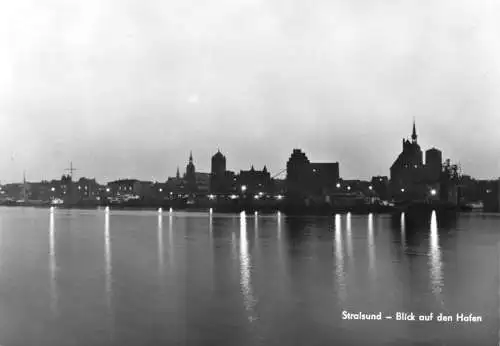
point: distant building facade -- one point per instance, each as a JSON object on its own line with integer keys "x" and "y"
{"x": 304, "y": 178}
{"x": 190, "y": 177}
{"x": 411, "y": 179}
{"x": 202, "y": 182}
{"x": 255, "y": 181}
{"x": 122, "y": 187}
{"x": 222, "y": 181}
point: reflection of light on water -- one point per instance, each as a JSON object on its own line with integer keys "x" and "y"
{"x": 280, "y": 239}
{"x": 245, "y": 264}
{"x": 52, "y": 262}
{"x": 107, "y": 255}
{"x": 435, "y": 258}
{"x": 349, "y": 236}
{"x": 339, "y": 257}
{"x": 403, "y": 231}
{"x": 160, "y": 243}
{"x": 256, "y": 232}
{"x": 371, "y": 244}
{"x": 171, "y": 239}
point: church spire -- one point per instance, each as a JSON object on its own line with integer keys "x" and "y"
{"x": 178, "y": 175}
{"x": 191, "y": 156}
{"x": 414, "y": 133}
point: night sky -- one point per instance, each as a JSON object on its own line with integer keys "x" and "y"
{"x": 127, "y": 88}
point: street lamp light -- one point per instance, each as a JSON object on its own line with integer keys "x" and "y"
{"x": 243, "y": 188}
{"x": 433, "y": 192}
{"x": 338, "y": 185}
{"x": 402, "y": 190}
{"x": 370, "y": 187}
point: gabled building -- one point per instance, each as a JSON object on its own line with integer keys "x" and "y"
{"x": 305, "y": 178}
{"x": 255, "y": 181}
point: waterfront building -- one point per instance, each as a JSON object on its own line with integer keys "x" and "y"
{"x": 222, "y": 181}
{"x": 305, "y": 178}
{"x": 325, "y": 177}
{"x": 14, "y": 191}
{"x": 411, "y": 179}
{"x": 433, "y": 164}
{"x": 87, "y": 189}
{"x": 380, "y": 184}
{"x": 489, "y": 194}
{"x": 298, "y": 174}
{"x": 408, "y": 169}
{"x": 190, "y": 177}
{"x": 144, "y": 189}
{"x": 202, "y": 182}
{"x": 255, "y": 181}
{"x": 121, "y": 187}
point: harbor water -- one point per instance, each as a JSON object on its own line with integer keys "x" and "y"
{"x": 107, "y": 277}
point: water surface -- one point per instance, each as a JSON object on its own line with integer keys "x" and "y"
{"x": 74, "y": 277}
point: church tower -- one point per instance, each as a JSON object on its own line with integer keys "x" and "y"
{"x": 190, "y": 176}
{"x": 414, "y": 133}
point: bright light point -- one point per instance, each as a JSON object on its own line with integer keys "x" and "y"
{"x": 279, "y": 197}
{"x": 256, "y": 196}
{"x": 211, "y": 211}
{"x": 348, "y": 188}
{"x": 338, "y": 185}
{"x": 171, "y": 210}
{"x": 161, "y": 190}
{"x": 243, "y": 188}
{"x": 53, "y": 189}
{"x": 433, "y": 192}
{"x": 234, "y": 196}
{"x": 261, "y": 193}
{"x": 402, "y": 190}
{"x": 256, "y": 213}
{"x": 211, "y": 196}
{"x": 370, "y": 187}
{"x": 160, "y": 210}
{"x": 108, "y": 189}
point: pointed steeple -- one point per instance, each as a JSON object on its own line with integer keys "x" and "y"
{"x": 414, "y": 133}
{"x": 191, "y": 156}
{"x": 265, "y": 169}
{"x": 252, "y": 169}
{"x": 178, "y": 175}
